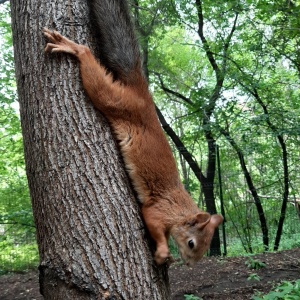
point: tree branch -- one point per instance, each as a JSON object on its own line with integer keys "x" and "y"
{"x": 181, "y": 147}
{"x": 169, "y": 91}
{"x": 17, "y": 223}
{"x": 227, "y": 42}
{"x": 204, "y": 40}
{"x": 220, "y": 74}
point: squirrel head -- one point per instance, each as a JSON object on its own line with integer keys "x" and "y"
{"x": 194, "y": 235}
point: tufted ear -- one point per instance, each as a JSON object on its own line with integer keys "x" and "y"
{"x": 202, "y": 219}
{"x": 216, "y": 220}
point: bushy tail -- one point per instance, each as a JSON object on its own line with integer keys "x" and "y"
{"x": 118, "y": 47}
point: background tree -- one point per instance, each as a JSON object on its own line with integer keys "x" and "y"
{"x": 16, "y": 221}
{"x": 208, "y": 63}
{"x": 206, "y": 178}
{"x": 89, "y": 232}
{"x": 257, "y": 104}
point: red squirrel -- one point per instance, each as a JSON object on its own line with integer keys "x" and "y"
{"x": 119, "y": 90}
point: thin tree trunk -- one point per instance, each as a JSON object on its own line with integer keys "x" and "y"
{"x": 207, "y": 183}
{"x": 252, "y": 189}
{"x": 209, "y": 194}
{"x": 90, "y": 235}
{"x": 285, "y": 194}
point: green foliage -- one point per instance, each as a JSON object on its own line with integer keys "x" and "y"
{"x": 254, "y": 264}
{"x": 284, "y": 291}
{"x": 290, "y": 240}
{"x": 254, "y": 277}
{"x": 173, "y": 247}
{"x": 191, "y": 297}
{"x": 261, "y": 67}
{"x": 18, "y": 250}
{"x": 258, "y": 104}
{"x": 17, "y": 257}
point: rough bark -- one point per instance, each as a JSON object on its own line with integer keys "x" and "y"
{"x": 90, "y": 235}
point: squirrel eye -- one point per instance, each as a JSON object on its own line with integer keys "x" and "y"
{"x": 191, "y": 244}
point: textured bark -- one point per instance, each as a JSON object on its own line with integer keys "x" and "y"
{"x": 90, "y": 235}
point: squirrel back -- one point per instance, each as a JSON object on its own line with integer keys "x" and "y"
{"x": 167, "y": 208}
{"x": 117, "y": 87}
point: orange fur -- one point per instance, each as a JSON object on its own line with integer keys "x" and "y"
{"x": 166, "y": 206}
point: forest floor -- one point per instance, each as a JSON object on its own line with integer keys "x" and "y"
{"x": 212, "y": 278}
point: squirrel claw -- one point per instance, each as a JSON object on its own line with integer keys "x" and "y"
{"x": 163, "y": 258}
{"x": 59, "y": 43}
{"x": 169, "y": 260}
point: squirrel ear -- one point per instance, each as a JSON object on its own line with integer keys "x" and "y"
{"x": 216, "y": 220}
{"x": 202, "y": 219}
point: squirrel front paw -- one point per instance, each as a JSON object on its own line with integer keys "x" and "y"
{"x": 59, "y": 43}
{"x": 162, "y": 256}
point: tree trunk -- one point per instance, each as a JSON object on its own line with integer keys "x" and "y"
{"x": 252, "y": 189}
{"x": 207, "y": 182}
{"x": 89, "y": 231}
{"x": 286, "y": 180}
{"x": 285, "y": 195}
{"x": 208, "y": 190}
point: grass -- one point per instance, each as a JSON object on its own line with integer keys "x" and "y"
{"x": 288, "y": 241}
{"x": 17, "y": 258}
